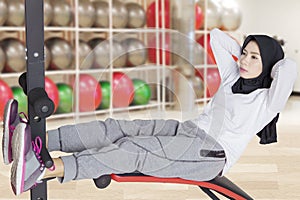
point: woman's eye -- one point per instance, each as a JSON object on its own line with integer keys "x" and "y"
{"x": 243, "y": 53}
{"x": 254, "y": 57}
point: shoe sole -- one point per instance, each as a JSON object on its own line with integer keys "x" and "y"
{"x": 19, "y": 164}
{"x": 6, "y": 140}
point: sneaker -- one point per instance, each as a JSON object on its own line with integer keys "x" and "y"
{"x": 27, "y": 169}
{"x": 10, "y": 120}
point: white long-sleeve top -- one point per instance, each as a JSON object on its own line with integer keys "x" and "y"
{"x": 234, "y": 119}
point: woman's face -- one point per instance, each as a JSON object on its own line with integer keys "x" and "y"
{"x": 250, "y": 61}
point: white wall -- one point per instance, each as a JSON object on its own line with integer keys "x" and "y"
{"x": 274, "y": 17}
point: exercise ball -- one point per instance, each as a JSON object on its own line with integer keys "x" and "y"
{"x": 166, "y": 48}
{"x": 100, "y": 47}
{"x": 136, "y": 51}
{"x": 119, "y": 54}
{"x": 151, "y": 13}
{"x": 119, "y": 14}
{"x": 6, "y": 94}
{"x": 142, "y": 92}
{"x": 21, "y": 97}
{"x": 231, "y": 16}
{"x": 62, "y": 13}
{"x": 52, "y": 91}
{"x": 15, "y": 55}
{"x": 213, "y": 80}
{"x": 90, "y": 93}
{"x": 86, "y": 55}
{"x": 136, "y": 15}
{"x": 65, "y": 98}
{"x": 2, "y": 59}
{"x": 86, "y": 13}
{"x": 199, "y": 17}
{"x": 61, "y": 53}
{"x": 16, "y": 13}
{"x": 3, "y": 12}
{"x": 212, "y": 13}
{"x": 198, "y": 87}
{"x": 48, "y": 12}
{"x": 47, "y": 57}
{"x": 209, "y": 53}
{"x": 102, "y": 14}
{"x": 105, "y": 87}
{"x": 123, "y": 90}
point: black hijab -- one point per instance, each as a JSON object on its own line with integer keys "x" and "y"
{"x": 271, "y": 52}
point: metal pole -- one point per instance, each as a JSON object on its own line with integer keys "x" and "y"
{"x": 183, "y": 20}
{"x": 35, "y": 78}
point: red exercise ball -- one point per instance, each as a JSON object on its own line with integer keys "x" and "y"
{"x": 151, "y": 13}
{"x": 210, "y": 56}
{"x": 213, "y": 80}
{"x": 52, "y": 92}
{"x": 123, "y": 90}
{"x": 199, "y": 17}
{"x": 90, "y": 93}
{"x": 162, "y": 48}
{"x": 5, "y": 94}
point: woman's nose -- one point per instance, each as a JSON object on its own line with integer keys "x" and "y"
{"x": 244, "y": 60}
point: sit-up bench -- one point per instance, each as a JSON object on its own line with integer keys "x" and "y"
{"x": 221, "y": 184}
{"x": 40, "y": 107}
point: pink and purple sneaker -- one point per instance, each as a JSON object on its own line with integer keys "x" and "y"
{"x": 27, "y": 169}
{"x": 10, "y": 120}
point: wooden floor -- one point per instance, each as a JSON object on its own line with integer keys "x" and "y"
{"x": 264, "y": 172}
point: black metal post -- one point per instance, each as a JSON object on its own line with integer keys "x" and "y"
{"x": 35, "y": 78}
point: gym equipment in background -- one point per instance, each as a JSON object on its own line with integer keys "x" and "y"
{"x": 2, "y": 59}
{"x": 6, "y": 94}
{"x": 62, "y": 13}
{"x": 52, "y": 92}
{"x": 21, "y": 97}
{"x": 119, "y": 14}
{"x": 65, "y": 92}
{"x": 15, "y": 55}
{"x": 48, "y": 12}
{"x": 213, "y": 80}
{"x": 136, "y": 15}
{"x": 105, "y": 87}
{"x": 3, "y": 12}
{"x": 151, "y": 13}
{"x": 231, "y": 17}
{"x": 62, "y": 56}
{"x": 142, "y": 92}
{"x": 90, "y": 93}
{"x": 166, "y": 48}
{"x": 136, "y": 50}
{"x": 16, "y": 11}
{"x": 86, "y": 55}
{"x": 209, "y": 53}
{"x": 212, "y": 13}
{"x": 102, "y": 12}
{"x": 123, "y": 90}
{"x": 87, "y": 13}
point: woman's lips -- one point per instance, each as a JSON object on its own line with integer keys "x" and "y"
{"x": 243, "y": 70}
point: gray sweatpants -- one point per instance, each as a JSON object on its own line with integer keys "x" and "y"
{"x": 162, "y": 148}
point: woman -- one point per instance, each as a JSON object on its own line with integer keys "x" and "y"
{"x": 248, "y": 102}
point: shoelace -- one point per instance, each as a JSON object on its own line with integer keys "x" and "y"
{"x": 37, "y": 148}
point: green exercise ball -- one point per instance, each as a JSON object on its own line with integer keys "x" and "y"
{"x": 105, "y": 86}
{"x": 65, "y": 98}
{"x": 21, "y": 97}
{"x": 142, "y": 92}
